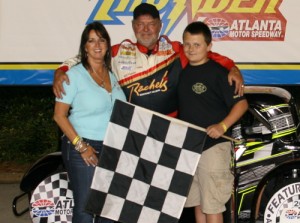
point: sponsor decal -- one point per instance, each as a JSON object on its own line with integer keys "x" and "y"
{"x": 153, "y": 87}
{"x": 284, "y": 205}
{"x": 290, "y": 214}
{"x": 52, "y": 200}
{"x": 126, "y": 67}
{"x": 251, "y": 20}
{"x": 46, "y": 207}
{"x": 127, "y": 50}
{"x": 42, "y": 208}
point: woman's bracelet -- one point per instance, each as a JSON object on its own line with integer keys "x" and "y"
{"x": 81, "y": 146}
{"x": 75, "y": 140}
{"x": 223, "y": 126}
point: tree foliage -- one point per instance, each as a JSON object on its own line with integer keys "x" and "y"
{"x": 27, "y": 130}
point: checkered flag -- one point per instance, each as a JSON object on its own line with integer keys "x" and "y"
{"x": 146, "y": 167}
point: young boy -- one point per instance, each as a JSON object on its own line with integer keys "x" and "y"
{"x": 207, "y": 100}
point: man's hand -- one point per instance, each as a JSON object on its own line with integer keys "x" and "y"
{"x": 59, "y": 77}
{"x": 236, "y": 77}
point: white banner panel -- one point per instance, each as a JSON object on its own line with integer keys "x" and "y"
{"x": 49, "y": 30}
{"x": 247, "y": 31}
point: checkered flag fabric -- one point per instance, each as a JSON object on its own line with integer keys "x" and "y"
{"x": 146, "y": 167}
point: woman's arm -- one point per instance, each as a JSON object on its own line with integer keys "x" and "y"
{"x": 61, "y": 118}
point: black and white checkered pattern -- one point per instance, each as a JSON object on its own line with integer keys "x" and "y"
{"x": 52, "y": 200}
{"x": 146, "y": 167}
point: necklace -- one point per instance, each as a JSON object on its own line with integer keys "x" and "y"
{"x": 102, "y": 84}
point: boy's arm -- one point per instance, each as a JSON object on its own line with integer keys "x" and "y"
{"x": 60, "y": 75}
{"x": 234, "y": 72}
{"x": 237, "y": 111}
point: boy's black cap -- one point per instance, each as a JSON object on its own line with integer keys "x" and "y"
{"x": 145, "y": 9}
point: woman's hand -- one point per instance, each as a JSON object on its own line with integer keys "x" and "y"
{"x": 90, "y": 156}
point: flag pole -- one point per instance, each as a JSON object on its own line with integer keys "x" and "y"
{"x": 204, "y": 130}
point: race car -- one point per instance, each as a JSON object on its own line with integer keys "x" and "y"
{"x": 267, "y": 161}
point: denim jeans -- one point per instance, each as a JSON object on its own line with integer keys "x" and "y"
{"x": 80, "y": 176}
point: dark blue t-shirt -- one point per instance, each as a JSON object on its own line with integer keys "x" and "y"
{"x": 205, "y": 96}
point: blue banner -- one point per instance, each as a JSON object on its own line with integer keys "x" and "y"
{"x": 263, "y": 74}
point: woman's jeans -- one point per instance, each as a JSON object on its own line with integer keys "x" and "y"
{"x": 80, "y": 176}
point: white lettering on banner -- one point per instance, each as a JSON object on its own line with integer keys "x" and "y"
{"x": 265, "y": 34}
{"x": 256, "y": 25}
{"x": 235, "y": 34}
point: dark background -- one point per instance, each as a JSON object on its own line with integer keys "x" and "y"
{"x": 27, "y": 130}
